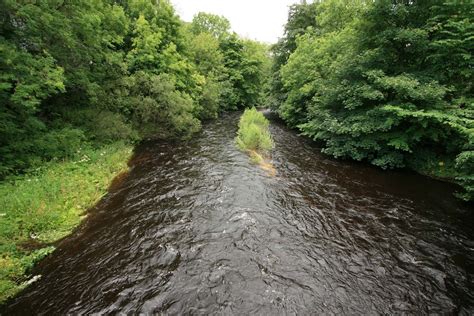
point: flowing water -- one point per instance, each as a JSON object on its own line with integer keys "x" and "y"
{"x": 195, "y": 228}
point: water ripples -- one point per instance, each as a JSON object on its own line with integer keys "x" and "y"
{"x": 197, "y": 229}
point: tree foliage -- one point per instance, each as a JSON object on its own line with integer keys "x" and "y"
{"x": 389, "y": 82}
{"x": 76, "y": 73}
{"x": 301, "y": 18}
{"x": 215, "y": 25}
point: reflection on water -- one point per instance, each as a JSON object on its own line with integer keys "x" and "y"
{"x": 197, "y": 229}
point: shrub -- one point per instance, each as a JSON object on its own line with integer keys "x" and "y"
{"x": 208, "y": 106}
{"x": 159, "y": 109}
{"x": 253, "y": 133}
{"x": 59, "y": 143}
{"x": 101, "y": 126}
{"x": 465, "y": 165}
{"x": 42, "y": 146}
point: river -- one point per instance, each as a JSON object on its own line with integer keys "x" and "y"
{"x": 195, "y": 228}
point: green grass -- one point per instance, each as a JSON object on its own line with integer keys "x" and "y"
{"x": 46, "y": 205}
{"x": 253, "y": 135}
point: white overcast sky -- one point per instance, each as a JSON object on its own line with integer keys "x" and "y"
{"x": 262, "y": 20}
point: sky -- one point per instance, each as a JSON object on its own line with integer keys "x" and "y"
{"x": 262, "y": 20}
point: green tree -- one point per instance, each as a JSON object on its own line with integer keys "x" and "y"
{"x": 206, "y": 55}
{"x": 244, "y": 63}
{"x": 51, "y": 51}
{"x": 370, "y": 84}
{"x": 74, "y": 73}
{"x": 217, "y": 26}
{"x": 301, "y": 17}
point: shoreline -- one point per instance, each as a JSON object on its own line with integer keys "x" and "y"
{"x": 47, "y": 205}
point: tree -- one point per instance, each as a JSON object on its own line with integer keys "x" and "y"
{"x": 48, "y": 51}
{"x": 244, "y": 63}
{"x": 217, "y": 26}
{"x": 78, "y": 73}
{"x": 301, "y": 17}
{"x": 370, "y": 84}
{"x": 205, "y": 53}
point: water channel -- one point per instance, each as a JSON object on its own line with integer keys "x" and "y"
{"x": 196, "y": 228}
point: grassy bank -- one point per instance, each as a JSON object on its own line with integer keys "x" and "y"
{"x": 253, "y": 135}
{"x": 46, "y": 205}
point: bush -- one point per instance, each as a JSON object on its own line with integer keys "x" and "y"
{"x": 208, "y": 107}
{"x": 159, "y": 110}
{"x": 465, "y": 165}
{"x": 253, "y": 133}
{"x": 59, "y": 143}
{"x": 28, "y": 153}
{"x": 101, "y": 126}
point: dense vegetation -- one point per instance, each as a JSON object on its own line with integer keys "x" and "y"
{"x": 388, "y": 82}
{"x": 95, "y": 72}
{"x": 253, "y": 135}
{"x": 47, "y": 204}
{"x": 82, "y": 80}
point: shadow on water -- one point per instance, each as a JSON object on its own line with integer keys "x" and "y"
{"x": 195, "y": 228}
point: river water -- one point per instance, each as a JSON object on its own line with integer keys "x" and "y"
{"x": 195, "y": 228}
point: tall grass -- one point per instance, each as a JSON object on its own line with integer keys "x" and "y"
{"x": 46, "y": 205}
{"x": 253, "y": 135}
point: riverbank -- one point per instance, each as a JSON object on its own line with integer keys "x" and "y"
{"x": 196, "y": 227}
{"x": 441, "y": 168}
{"x": 46, "y": 205}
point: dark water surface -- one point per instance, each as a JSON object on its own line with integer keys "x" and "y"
{"x": 197, "y": 229}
